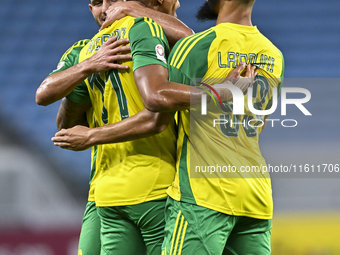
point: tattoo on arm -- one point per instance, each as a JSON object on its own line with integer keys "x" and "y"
{"x": 71, "y": 114}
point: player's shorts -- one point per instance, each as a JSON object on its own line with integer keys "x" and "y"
{"x": 89, "y": 241}
{"x": 134, "y": 229}
{"x": 195, "y": 230}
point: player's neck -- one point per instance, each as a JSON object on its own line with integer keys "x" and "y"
{"x": 234, "y": 13}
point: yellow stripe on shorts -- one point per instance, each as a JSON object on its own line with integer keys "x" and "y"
{"x": 175, "y": 230}
{"x": 179, "y": 234}
{"x": 183, "y": 236}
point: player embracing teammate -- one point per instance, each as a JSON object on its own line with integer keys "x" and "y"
{"x": 221, "y": 215}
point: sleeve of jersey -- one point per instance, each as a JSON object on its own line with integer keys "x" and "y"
{"x": 80, "y": 94}
{"x": 149, "y": 45}
{"x": 188, "y": 60}
{"x": 176, "y": 75}
{"x": 70, "y": 58}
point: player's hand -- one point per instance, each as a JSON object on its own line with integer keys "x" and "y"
{"x": 118, "y": 11}
{"x": 235, "y": 78}
{"x": 236, "y": 73}
{"x": 109, "y": 53}
{"x": 242, "y": 76}
{"x": 77, "y": 138}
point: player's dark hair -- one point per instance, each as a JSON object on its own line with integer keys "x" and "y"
{"x": 246, "y": 1}
{"x": 208, "y": 10}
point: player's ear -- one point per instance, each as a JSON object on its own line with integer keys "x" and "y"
{"x": 157, "y": 2}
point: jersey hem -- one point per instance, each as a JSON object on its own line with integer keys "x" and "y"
{"x": 149, "y": 63}
{"x": 129, "y": 202}
{"x": 77, "y": 99}
{"x": 226, "y": 211}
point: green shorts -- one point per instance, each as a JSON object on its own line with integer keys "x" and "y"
{"x": 89, "y": 241}
{"x": 192, "y": 229}
{"x": 134, "y": 229}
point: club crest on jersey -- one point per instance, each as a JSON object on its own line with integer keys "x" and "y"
{"x": 160, "y": 53}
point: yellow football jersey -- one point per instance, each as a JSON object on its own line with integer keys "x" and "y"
{"x": 135, "y": 171}
{"x": 219, "y": 166}
{"x": 94, "y": 174}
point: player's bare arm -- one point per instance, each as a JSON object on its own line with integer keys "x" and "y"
{"x": 172, "y": 26}
{"x": 161, "y": 95}
{"x": 71, "y": 114}
{"x": 60, "y": 84}
{"x": 141, "y": 125}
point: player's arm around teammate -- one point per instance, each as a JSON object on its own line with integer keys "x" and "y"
{"x": 60, "y": 84}
{"x": 161, "y": 95}
{"x": 143, "y": 124}
{"x": 172, "y": 26}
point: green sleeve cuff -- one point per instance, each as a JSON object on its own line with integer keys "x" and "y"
{"x": 80, "y": 94}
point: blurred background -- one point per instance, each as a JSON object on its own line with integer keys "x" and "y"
{"x": 43, "y": 189}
